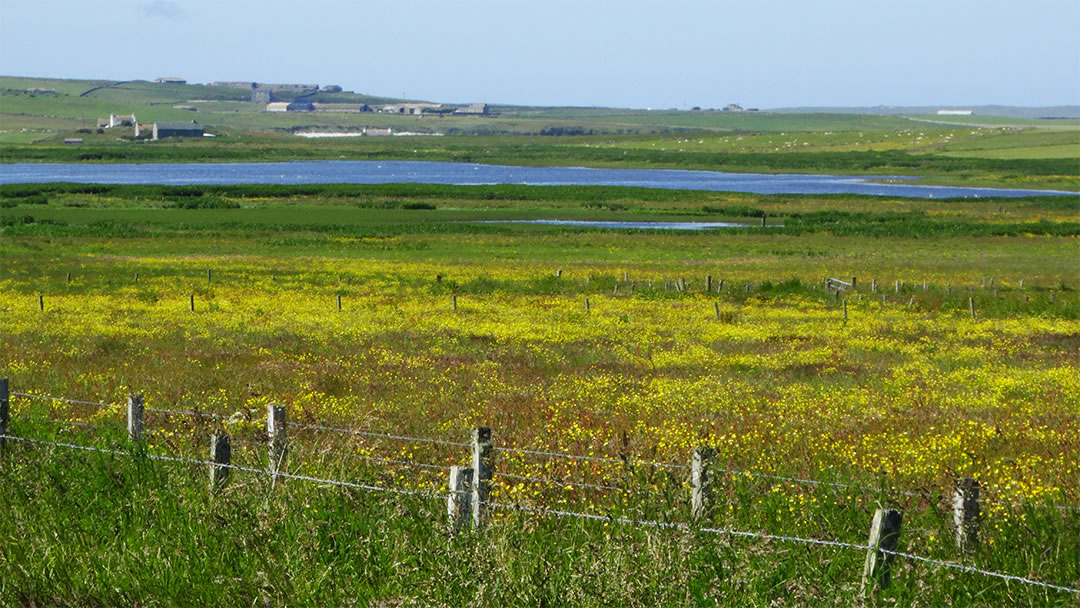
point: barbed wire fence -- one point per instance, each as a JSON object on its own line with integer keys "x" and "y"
{"x": 468, "y": 496}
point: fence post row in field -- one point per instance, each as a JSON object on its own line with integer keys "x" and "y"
{"x": 884, "y": 534}
{"x": 220, "y": 458}
{"x": 483, "y": 465}
{"x": 701, "y": 482}
{"x": 276, "y": 435}
{"x": 135, "y": 412}
{"x": 459, "y": 499}
{"x": 966, "y": 512}
{"x": 5, "y": 411}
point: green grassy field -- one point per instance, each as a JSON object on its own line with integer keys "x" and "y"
{"x": 991, "y": 151}
{"x": 905, "y": 395}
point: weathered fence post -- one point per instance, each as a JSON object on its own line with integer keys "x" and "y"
{"x": 192, "y": 299}
{"x": 483, "y": 465}
{"x": 971, "y": 307}
{"x": 5, "y": 411}
{"x": 207, "y": 276}
{"x": 748, "y": 287}
{"x": 854, "y": 284}
{"x": 896, "y": 286}
{"x": 708, "y": 282}
{"x": 453, "y": 301}
{"x": 716, "y": 309}
{"x": 69, "y": 277}
{"x": 873, "y": 285}
{"x": 339, "y": 302}
{"x": 762, "y": 220}
{"x": 701, "y": 482}
{"x": 459, "y": 499}
{"x": 220, "y": 459}
{"x": 884, "y": 534}
{"x": 135, "y": 412}
{"x": 41, "y": 302}
{"x": 845, "y": 310}
{"x": 136, "y": 277}
{"x": 720, "y": 286}
{"x": 966, "y": 512}
{"x": 625, "y": 276}
{"x": 1021, "y": 283}
{"x": 277, "y": 438}
{"x": 558, "y": 273}
{"x": 586, "y": 304}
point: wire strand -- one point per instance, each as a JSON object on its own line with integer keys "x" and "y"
{"x": 61, "y": 399}
{"x": 963, "y": 568}
{"x": 346, "y": 431}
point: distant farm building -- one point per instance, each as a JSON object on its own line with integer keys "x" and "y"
{"x": 473, "y": 109}
{"x": 290, "y": 106}
{"x": 117, "y": 120}
{"x": 260, "y": 96}
{"x": 331, "y": 88}
{"x": 342, "y": 107}
{"x": 954, "y": 112}
{"x": 170, "y": 80}
{"x": 414, "y": 109}
{"x": 733, "y": 107}
{"x": 177, "y": 129}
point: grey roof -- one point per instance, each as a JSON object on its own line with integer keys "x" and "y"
{"x": 178, "y": 126}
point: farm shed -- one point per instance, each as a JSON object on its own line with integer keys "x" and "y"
{"x": 473, "y": 109}
{"x": 177, "y": 129}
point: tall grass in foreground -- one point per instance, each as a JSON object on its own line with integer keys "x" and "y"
{"x": 91, "y": 529}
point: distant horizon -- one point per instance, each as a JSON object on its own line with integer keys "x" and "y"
{"x": 1071, "y": 106}
{"x": 586, "y": 53}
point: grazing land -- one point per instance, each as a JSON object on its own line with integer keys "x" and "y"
{"x": 968, "y": 150}
{"x": 391, "y": 309}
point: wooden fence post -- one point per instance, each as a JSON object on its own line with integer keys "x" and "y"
{"x": 277, "y": 437}
{"x": 966, "y": 512}
{"x": 69, "y": 277}
{"x": 1021, "y": 283}
{"x": 884, "y": 534}
{"x": 720, "y": 286}
{"x": 135, "y": 412}
{"x": 896, "y": 286}
{"x": 220, "y": 458}
{"x": 762, "y": 220}
{"x": 192, "y": 298}
{"x": 854, "y": 284}
{"x": 845, "y": 310}
{"x": 453, "y": 300}
{"x": 873, "y": 285}
{"x": 207, "y": 276}
{"x": 708, "y": 282}
{"x": 586, "y": 304}
{"x": 716, "y": 309}
{"x": 971, "y": 307}
{"x": 136, "y": 277}
{"x": 701, "y": 482}
{"x": 339, "y": 302}
{"x": 5, "y": 411}
{"x": 558, "y": 273}
{"x": 483, "y": 465}
{"x": 459, "y": 500}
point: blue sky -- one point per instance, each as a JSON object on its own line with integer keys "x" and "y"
{"x": 629, "y": 53}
